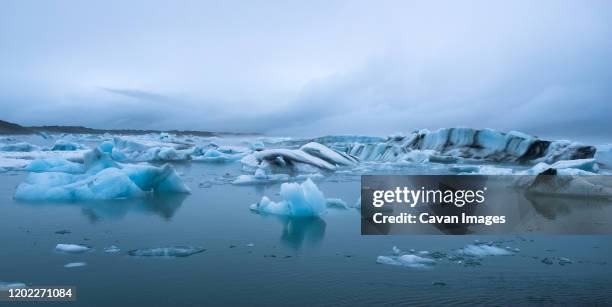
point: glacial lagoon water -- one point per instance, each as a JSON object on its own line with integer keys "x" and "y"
{"x": 264, "y": 260}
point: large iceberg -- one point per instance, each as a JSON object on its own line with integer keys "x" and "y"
{"x": 101, "y": 179}
{"x": 468, "y": 143}
{"x": 299, "y": 200}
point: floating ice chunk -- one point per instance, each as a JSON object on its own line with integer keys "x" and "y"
{"x": 6, "y": 285}
{"x": 411, "y": 261}
{"x": 285, "y": 156}
{"x": 336, "y": 203}
{"x": 396, "y": 250}
{"x": 588, "y": 165}
{"x": 110, "y": 183}
{"x": 167, "y": 252}
{"x": 72, "y": 248}
{"x": 214, "y": 155}
{"x": 565, "y": 260}
{"x": 96, "y": 160}
{"x": 250, "y": 245}
{"x": 483, "y": 250}
{"x": 156, "y": 179}
{"x": 298, "y": 200}
{"x": 112, "y": 249}
{"x": 62, "y": 145}
{"x": 329, "y": 155}
{"x": 55, "y": 165}
{"x": 75, "y": 264}
{"x": 603, "y": 155}
{"x": 22, "y": 146}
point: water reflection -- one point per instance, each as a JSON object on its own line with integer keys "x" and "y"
{"x": 162, "y": 205}
{"x": 300, "y": 231}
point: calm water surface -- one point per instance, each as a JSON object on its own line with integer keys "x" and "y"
{"x": 303, "y": 261}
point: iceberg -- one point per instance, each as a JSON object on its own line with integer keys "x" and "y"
{"x": 467, "y": 143}
{"x": 98, "y": 178}
{"x": 167, "y": 252}
{"x": 299, "y": 200}
{"x": 72, "y": 248}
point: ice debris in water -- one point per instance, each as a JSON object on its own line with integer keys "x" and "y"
{"x": 75, "y": 264}
{"x": 103, "y": 178}
{"x": 483, "y": 250}
{"x": 298, "y": 200}
{"x": 336, "y": 203}
{"x": 112, "y": 249}
{"x": 5, "y": 285}
{"x": 168, "y": 252}
{"x": 406, "y": 259}
{"x": 411, "y": 261}
{"x": 72, "y": 248}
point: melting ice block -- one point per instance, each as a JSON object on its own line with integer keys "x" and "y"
{"x": 298, "y": 200}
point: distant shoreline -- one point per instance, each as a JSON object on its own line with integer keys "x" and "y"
{"x": 12, "y": 128}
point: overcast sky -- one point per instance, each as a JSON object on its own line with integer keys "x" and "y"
{"x": 309, "y": 67}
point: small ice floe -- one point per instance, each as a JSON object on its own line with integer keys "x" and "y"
{"x": 406, "y": 259}
{"x": 336, "y": 203}
{"x": 167, "y": 252}
{"x": 250, "y": 245}
{"x": 483, "y": 250}
{"x": 74, "y": 264}
{"x": 72, "y": 248}
{"x": 411, "y": 261}
{"x": 564, "y": 261}
{"x": 112, "y": 249}
{"x": 5, "y": 285}
{"x": 298, "y": 200}
{"x": 205, "y": 184}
